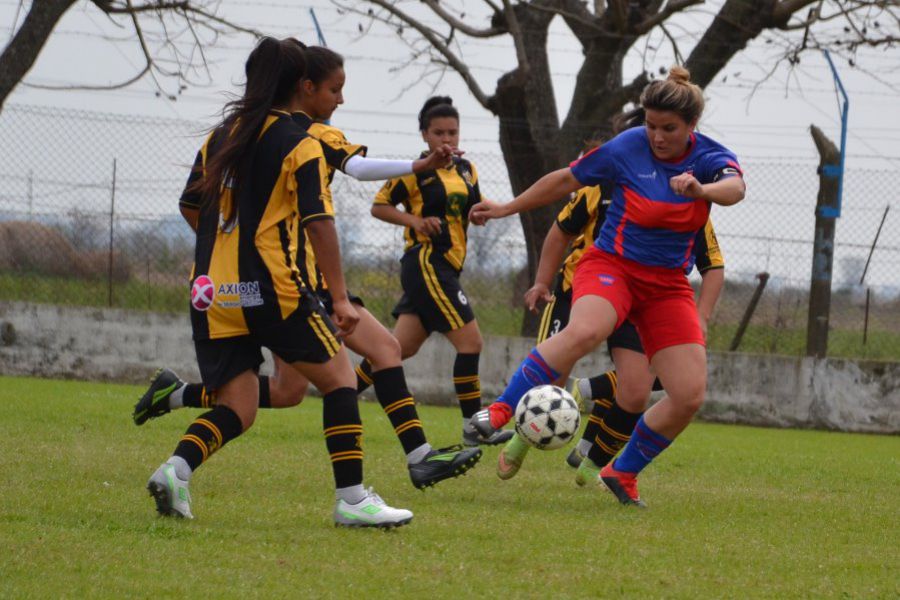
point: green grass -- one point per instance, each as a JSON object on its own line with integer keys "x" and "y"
{"x": 764, "y": 339}
{"x": 734, "y": 512}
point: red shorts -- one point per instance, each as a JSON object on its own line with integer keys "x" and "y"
{"x": 658, "y": 300}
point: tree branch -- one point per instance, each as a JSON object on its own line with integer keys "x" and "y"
{"x": 672, "y": 7}
{"x": 460, "y": 24}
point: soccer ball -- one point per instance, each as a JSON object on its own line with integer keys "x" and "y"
{"x": 547, "y": 417}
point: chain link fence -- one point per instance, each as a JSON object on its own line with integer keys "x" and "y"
{"x": 89, "y": 216}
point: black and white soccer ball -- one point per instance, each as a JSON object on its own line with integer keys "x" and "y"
{"x": 547, "y": 417}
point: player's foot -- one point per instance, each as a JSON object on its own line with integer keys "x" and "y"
{"x": 471, "y": 437}
{"x": 511, "y": 457}
{"x": 155, "y": 401}
{"x": 371, "y": 511}
{"x": 587, "y": 472}
{"x": 173, "y": 499}
{"x": 574, "y": 458}
{"x": 442, "y": 464}
{"x": 488, "y": 421}
{"x": 573, "y": 387}
{"x": 623, "y": 485}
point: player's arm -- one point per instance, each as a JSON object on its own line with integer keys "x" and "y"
{"x": 190, "y": 200}
{"x": 552, "y": 253}
{"x": 191, "y": 215}
{"x": 546, "y": 190}
{"x": 363, "y": 168}
{"x": 710, "y": 290}
{"x": 385, "y": 209}
{"x": 725, "y": 192}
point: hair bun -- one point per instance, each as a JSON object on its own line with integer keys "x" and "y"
{"x": 679, "y": 74}
{"x": 436, "y": 101}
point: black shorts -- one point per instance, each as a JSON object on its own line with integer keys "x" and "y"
{"x": 325, "y": 298}
{"x": 556, "y": 317}
{"x": 431, "y": 290}
{"x": 308, "y": 335}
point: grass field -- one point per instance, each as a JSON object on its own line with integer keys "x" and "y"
{"x": 734, "y": 512}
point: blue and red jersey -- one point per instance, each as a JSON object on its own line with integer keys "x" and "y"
{"x": 646, "y": 221}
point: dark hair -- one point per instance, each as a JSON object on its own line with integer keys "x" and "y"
{"x": 675, "y": 93}
{"x": 594, "y": 140}
{"x": 626, "y": 120}
{"x": 273, "y": 70}
{"x": 321, "y": 62}
{"x": 436, "y": 106}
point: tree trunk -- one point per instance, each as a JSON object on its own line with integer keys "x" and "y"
{"x": 19, "y": 56}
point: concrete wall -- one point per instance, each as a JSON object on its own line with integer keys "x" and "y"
{"x": 769, "y": 390}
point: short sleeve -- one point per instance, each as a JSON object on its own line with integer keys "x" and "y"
{"x": 393, "y": 192}
{"x": 191, "y": 198}
{"x": 599, "y": 164}
{"x": 337, "y": 149}
{"x": 474, "y": 190}
{"x": 706, "y": 250}
{"x": 575, "y": 215}
{"x": 717, "y": 165}
{"x": 311, "y": 176}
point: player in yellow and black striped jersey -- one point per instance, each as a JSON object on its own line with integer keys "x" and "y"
{"x": 609, "y": 426}
{"x": 259, "y": 180}
{"x": 321, "y": 94}
{"x": 435, "y": 219}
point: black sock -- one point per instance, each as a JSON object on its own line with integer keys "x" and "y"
{"x": 467, "y": 383}
{"x": 343, "y": 436}
{"x": 613, "y": 433}
{"x": 399, "y": 406}
{"x": 265, "y": 397}
{"x": 196, "y": 396}
{"x": 209, "y": 432}
{"x": 363, "y": 376}
{"x": 603, "y": 394}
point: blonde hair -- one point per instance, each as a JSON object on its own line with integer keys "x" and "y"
{"x": 676, "y": 94}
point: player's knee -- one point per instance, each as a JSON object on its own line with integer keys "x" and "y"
{"x": 582, "y": 338}
{"x": 689, "y": 399}
{"x": 286, "y": 394}
{"x": 386, "y": 353}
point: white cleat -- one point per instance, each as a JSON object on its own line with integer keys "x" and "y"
{"x": 173, "y": 499}
{"x": 371, "y": 511}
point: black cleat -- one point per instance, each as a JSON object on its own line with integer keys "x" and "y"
{"x": 442, "y": 464}
{"x": 155, "y": 401}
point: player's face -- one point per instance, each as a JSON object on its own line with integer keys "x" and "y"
{"x": 321, "y": 99}
{"x": 668, "y": 133}
{"x": 442, "y": 130}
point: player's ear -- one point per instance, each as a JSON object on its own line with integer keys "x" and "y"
{"x": 307, "y": 87}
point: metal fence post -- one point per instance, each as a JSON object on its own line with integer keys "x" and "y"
{"x": 112, "y": 215}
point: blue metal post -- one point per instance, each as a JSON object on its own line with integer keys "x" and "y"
{"x": 837, "y": 170}
{"x": 312, "y": 13}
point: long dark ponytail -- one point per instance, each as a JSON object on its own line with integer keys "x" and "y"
{"x": 273, "y": 70}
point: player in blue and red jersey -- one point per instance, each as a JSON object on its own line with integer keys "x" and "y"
{"x": 665, "y": 177}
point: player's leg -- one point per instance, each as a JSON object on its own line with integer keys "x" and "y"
{"x": 427, "y": 466}
{"x": 672, "y": 337}
{"x": 228, "y": 366}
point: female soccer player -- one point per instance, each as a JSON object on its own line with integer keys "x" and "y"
{"x": 665, "y": 178}
{"x": 321, "y": 94}
{"x": 435, "y": 217}
{"x": 258, "y": 180}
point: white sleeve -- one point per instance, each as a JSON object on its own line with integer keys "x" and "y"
{"x": 364, "y": 168}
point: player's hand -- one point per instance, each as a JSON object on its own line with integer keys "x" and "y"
{"x": 686, "y": 185}
{"x": 486, "y": 210}
{"x": 438, "y": 158}
{"x": 537, "y": 294}
{"x": 344, "y": 316}
{"x": 704, "y": 326}
{"x": 428, "y": 226}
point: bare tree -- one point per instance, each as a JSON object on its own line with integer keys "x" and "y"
{"x": 170, "y": 34}
{"x": 533, "y": 138}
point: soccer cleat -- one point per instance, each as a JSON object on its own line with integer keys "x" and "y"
{"x": 173, "y": 499}
{"x": 511, "y": 457}
{"x": 623, "y": 485}
{"x": 442, "y": 464}
{"x": 471, "y": 437}
{"x": 587, "y": 472}
{"x": 371, "y": 511}
{"x": 574, "y": 458}
{"x": 584, "y": 404}
{"x": 155, "y": 401}
{"x": 490, "y": 420}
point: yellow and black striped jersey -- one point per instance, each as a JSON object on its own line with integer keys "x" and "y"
{"x": 584, "y": 215}
{"x": 581, "y": 217}
{"x": 337, "y": 151}
{"x": 251, "y": 275}
{"x": 447, "y": 193}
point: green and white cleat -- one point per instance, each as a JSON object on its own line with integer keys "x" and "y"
{"x": 587, "y": 472}
{"x": 511, "y": 457}
{"x": 573, "y": 387}
{"x": 371, "y": 511}
{"x": 155, "y": 401}
{"x": 173, "y": 499}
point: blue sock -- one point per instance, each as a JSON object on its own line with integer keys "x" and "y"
{"x": 644, "y": 445}
{"x": 533, "y": 371}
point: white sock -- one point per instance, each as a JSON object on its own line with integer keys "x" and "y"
{"x": 182, "y": 469}
{"x": 467, "y": 425}
{"x": 176, "y": 398}
{"x": 583, "y": 447}
{"x": 418, "y": 455}
{"x": 351, "y": 495}
{"x": 584, "y": 386}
